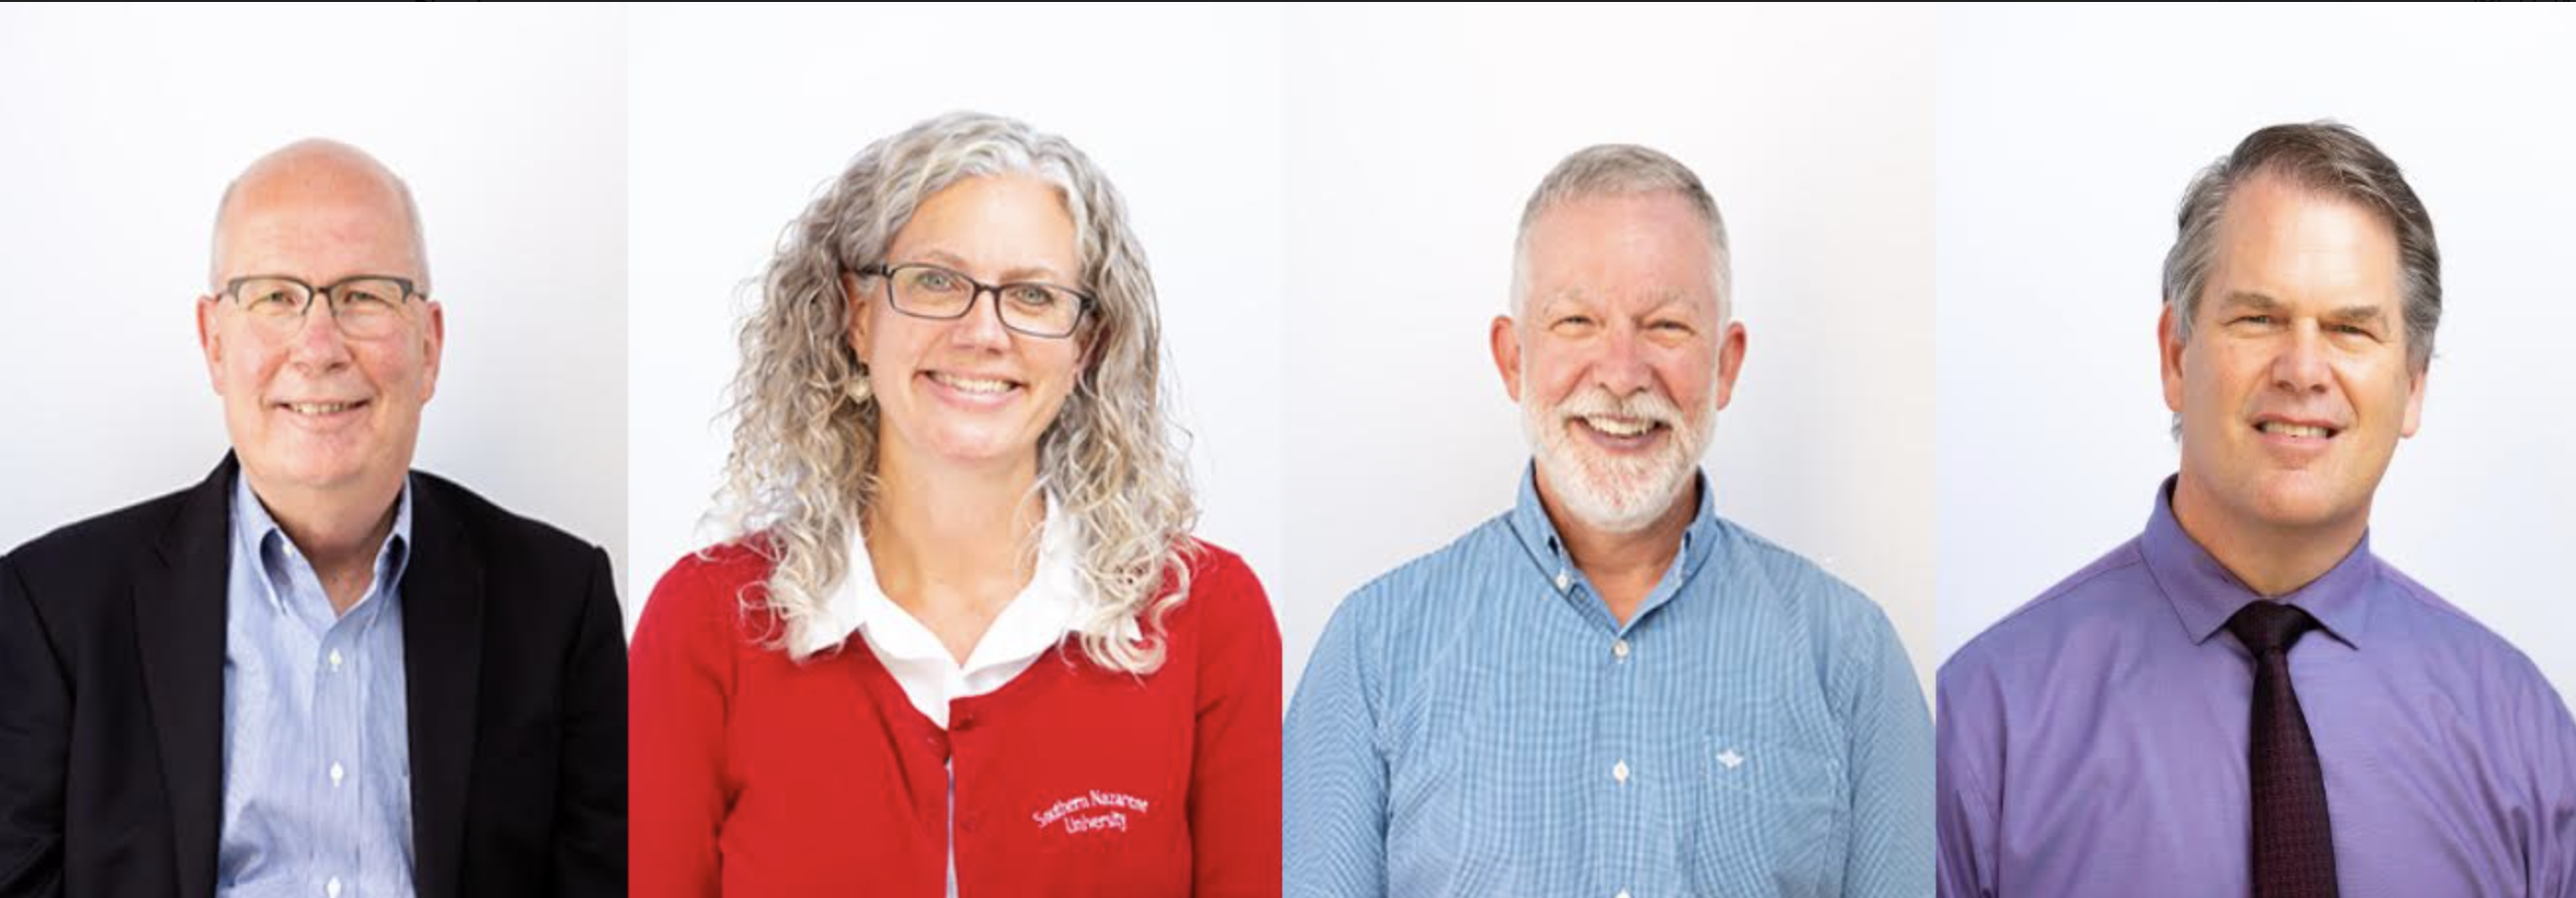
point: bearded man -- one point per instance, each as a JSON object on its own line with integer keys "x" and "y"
{"x": 1610, "y": 690}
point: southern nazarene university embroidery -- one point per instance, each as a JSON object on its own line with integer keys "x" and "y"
{"x": 1092, "y": 811}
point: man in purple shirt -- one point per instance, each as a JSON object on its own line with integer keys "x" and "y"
{"x": 2244, "y": 699}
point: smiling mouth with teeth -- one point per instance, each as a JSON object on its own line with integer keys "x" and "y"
{"x": 320, "y": 408}
{"x": 2286, "y": 429}
{"x": 1619, "y": 427}
{"x": 972, "y": 384}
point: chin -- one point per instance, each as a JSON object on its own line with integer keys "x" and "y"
{"x": 317, "y": 473}
{"x": 977, "y": 448}
{"x": 2297, "y": 499}
{"x": 1616, "y": 501}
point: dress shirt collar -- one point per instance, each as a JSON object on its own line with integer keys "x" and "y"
{"x": 1546, "y": 549}
{"x": 2204, "y": 594}
{"x": 1035, "y": 620}
{"x": 259, "y": 536}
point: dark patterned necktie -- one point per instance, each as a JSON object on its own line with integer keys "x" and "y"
{"x": 2293, "y": 844}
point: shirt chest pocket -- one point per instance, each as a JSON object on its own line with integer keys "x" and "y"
{"x": 1768, "y": 818}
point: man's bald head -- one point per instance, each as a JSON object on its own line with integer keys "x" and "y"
{"x": 314, "y": 187}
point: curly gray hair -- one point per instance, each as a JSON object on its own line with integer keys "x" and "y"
{"x": 801, "y": 473}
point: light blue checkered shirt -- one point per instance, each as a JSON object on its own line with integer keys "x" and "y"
{"x": 1477, "y": 724}
{"x": 317, "y": 759}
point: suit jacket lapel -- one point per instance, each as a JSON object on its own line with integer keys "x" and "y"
{"x": 442, "y": 608}
{"x": 179, "y": 623}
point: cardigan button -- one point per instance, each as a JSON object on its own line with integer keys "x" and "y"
{"x": 969, "y": 823}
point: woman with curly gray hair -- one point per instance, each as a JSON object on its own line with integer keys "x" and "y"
{"x": 962, "y": 642}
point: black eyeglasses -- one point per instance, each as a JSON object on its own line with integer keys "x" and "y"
{"x": 364, "y": 306}
{"x": 943, "y": 294}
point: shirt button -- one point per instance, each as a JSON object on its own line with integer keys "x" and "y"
{"x": 335, "y": 659}
{"x": 1563, "y": 580}
{"x": 1623, "y": 893}
{"x": 336, "y": 774}
{"x": 332, "y": 888}
{"x": 1619, "y": 647}
{"x": 1619, "y": 772}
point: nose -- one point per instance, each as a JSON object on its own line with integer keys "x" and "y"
{"x": 317, "y": 342}
{"x": 1621, "y": 366}
{"x": 2301, "y": 367}
{"x": 979, "y": 329}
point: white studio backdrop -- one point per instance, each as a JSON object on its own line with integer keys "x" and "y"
{"x": 2066, "y": 138}
{"x": 120, "y": 126}
{"x": 741, "y": 113}
{"x": 1414, "y": 137}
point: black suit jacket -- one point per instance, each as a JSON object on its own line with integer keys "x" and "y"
{"x": 111, "y": 702}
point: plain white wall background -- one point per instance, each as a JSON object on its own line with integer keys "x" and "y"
{"x": 1386, "y": 152}
{"x": 2065, "y": 140}
{"x": 119, "y": 128}
{"x": 1415, "y": 134}
{"x": 741, "y": 113}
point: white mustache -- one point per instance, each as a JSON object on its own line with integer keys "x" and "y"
{"x": 1647, "y": 406}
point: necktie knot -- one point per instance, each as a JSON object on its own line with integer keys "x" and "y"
{"x": 2264, "y": 625}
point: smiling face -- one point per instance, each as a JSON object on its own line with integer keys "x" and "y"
{"x": 1622, "y": 359}
{"x": 969, "y": 391}
{"x": 309, "y": 408}
{"x": 2295, "y": 386}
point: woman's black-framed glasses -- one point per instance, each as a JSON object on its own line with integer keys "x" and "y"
{"x": 938, "y": 293}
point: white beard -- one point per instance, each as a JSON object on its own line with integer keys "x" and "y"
{"x": 1616, "y": 494}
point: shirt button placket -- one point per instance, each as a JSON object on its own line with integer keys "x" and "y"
{"x": 336, "y": 716}
{"x": 1627, "y": 811}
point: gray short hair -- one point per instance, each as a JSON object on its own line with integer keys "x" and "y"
{"x": 1619, "y": 169}
{"x": 2331, "y": 159}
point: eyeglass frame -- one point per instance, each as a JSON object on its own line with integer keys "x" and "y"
{"x": 886, "y": 272}
{"x": 328, "y": 292}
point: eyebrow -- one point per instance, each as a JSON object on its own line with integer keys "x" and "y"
{"x": 1040, "y": 272}
{"x": 2259, "y": 302}
{"x": 2247, "y": 299}
{"x": 1670, "y": 298}
{"x": 1547, "y": 304}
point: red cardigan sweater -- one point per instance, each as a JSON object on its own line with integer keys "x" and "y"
{"x": 752, "y": 775}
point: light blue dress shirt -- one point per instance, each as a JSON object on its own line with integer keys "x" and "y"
{"x": 317, "y": 761}
{"x": 1476, "y": 723}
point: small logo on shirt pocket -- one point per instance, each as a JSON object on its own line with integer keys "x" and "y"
{"x": 1774, "y": 771}
{"x": 1094, "y": 811}
{"x": 1771, "y": 817}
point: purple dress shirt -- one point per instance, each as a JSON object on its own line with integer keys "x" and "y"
{"x": 2093, "y": 743}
